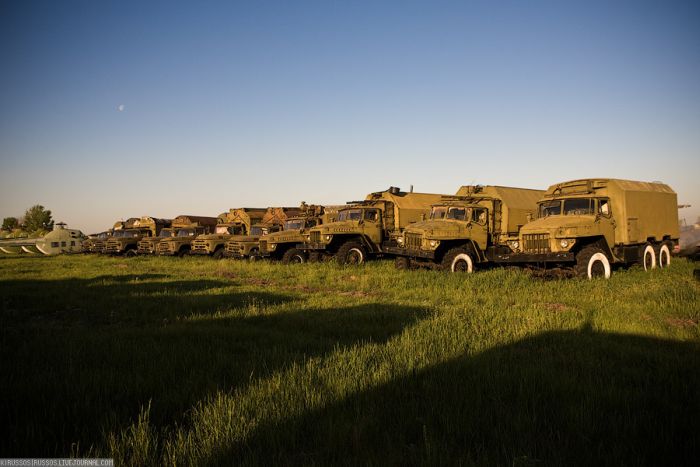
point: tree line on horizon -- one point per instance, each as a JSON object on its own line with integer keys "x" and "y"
{"x": 36, "y": 219}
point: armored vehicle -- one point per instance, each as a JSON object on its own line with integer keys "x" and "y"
{"x": 228, "y": 224}
{"x": 283, "y": 245}
{"x": 147, "y": 245}
{"x": 467, "y": 229}
{"x": 125, "y": 241}
{"x": 186, "y": 228}
{"x": 591, "y": 224}
{"x": 363, "y": 229}
{"x": 248, "y": 246}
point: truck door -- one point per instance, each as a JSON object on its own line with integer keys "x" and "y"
{"x": 479, "y": 227}
{"x": 372, "y": 226}
{"x": 604, "y": 216}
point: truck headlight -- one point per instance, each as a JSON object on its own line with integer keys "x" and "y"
{"x": 271, "y": 246}
{"x": 566, "y": 242}
{"x": 514, "y": 244}
{"x": 399, "y": 240}
{"x": 434, "y": 243}
{"x": 328, "y": 237}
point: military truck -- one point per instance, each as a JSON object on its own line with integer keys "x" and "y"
{"x": 469, "y": 228}
{"x": 88, "y": 245}
{"x": 364, "y": 228}
{"x": 186, "y": 228}
{"x": 592, "y": 224}
{"x": 282, "y": 245}
{"x": 248, "y": 246}
{"x": 125, "y": 241}
{"x": 234, "y": 222}
{"x": 98, "y": 244}
{"x": 147, "y": 245}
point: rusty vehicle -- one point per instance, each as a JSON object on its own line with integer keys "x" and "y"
{"x": 363, "y": 228}
{"x": 147, "y": 245}
{"x": 125, "y": 241}
{"x": 99, "y": 243}
{"x": 234, "y": 222}
{"x": 248, "y": 245}
{"x": 468, "y": 229}
{"x": 90, "y": 243}
{"x": 185, "y": 229}
{"x": 591, "y": 225}
{"x": 282, "y": 245}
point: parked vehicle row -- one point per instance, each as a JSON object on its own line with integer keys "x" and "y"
{"x": 587, "y": 226}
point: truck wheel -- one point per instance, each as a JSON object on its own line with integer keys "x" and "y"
{"x": 664, "y": 255}
{"x": 458, "y": 260}
{"x": 254, "y": 255}
{"x": 351, "y": 253}
{"x": 592, "y": 262}
{"x": 315, "y": 257}
{"x": 648, "y": 260}
{"x": 181, "y": 253}
{"x": 218, "y": 254}
{"x": 293, "y": 256}
{"x": 130, "y": 253}
{"x": 402, "y": 263}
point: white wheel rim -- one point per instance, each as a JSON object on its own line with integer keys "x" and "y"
{"x": 463, "y": 257}
{"x": 664, "y": 256}
{"x": 649, "y": 250}
{"x": 603, "y": 260}
{"x": 360, "y": 255}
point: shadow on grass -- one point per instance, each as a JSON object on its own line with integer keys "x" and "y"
{"x": 77, "y": 381}
{"x": 561, "y": 398}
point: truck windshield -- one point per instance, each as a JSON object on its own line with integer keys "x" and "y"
{"x": 350, "y": 215}
{"x": 185, "y": 233}
{"x": 256, "y": 230}
{"x": 103, "y": 235}
{"x": 294, "y": 224}
{"x": 459, "y": 214}
{"x": 550, "y": 208}
{"x": 118, "y": 234}
{"x": 579, "y": 206}
{"x": 438, "y": 212}
{"x": 166, "y": 233}
{"x": 229, "y": 229}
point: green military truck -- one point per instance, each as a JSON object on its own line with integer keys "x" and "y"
{"x": 99, "y": 244}
{"x": 592, "y": 224}
{"x": 248, "y": 246}
{"x": 282, "y": 245}
{"x": 186, "y": 229}
{"x": 125, "y": 241}
{"x": 234, "y": 222}
{"x": 362, "y": 229}
{"x": 147, "y": 245}
{"x": 473, "y": 227}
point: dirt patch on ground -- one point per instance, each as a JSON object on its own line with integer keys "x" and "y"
{"x": 555, "y": 307}
{"x": 681, "y": 322}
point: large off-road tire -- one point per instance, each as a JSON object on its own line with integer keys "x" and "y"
{"x": 293, "y": 255}
{"x": 648, "y": 257}
{"x": 218, "y": 254}
{"x": 130, "y": 253}
{"x": 664, "y": 257}
{"x": 351, "y": 253}
{"x": 402, "y": 263}
{"x": 254, "y": 255}
{"x": 315, "y": 257}
{"x": 459, "y": 259}
{"x": 592, "y": 262}
{"x": 182, "y": 252}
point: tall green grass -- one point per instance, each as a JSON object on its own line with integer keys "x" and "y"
{"x": 194, "y": 361}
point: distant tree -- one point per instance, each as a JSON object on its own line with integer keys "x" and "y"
{"x": 10, "y": 223}
{"x": 37, "y": 218}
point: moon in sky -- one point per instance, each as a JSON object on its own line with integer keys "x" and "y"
{"x": 121, "y": 107}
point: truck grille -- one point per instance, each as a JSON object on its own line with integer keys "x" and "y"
{"x": 536, "y": 243}
{"x": 112, "y": 246}
{"x": 199, "y": 245}
{"x": 145, "y": 247}
{"x": 315, "y": 237}
{"x": 163, "y": 247}
{"x": 263, "y": 246}
{"x": 233, "y": 247}
{"x": 97, "y": 245}
{"x": 413, "y": 241}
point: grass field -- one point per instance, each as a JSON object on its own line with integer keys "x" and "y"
{"x": 196, "y": 361}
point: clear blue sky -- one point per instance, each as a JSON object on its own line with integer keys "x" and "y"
{"x": 230, "y": 104}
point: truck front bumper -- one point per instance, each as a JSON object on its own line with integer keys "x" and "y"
{"x": 408, "y": 252}
{"x": 312, "y": 246}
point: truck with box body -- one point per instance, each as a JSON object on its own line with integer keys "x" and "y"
{"x": 125, "y": 241}
{"x": 590, "y": 225}
{"x": 466, "y": 229}
{"x": 99, "y": 243}
{"x": 234, "y": 222}
{"x": 147, "y": 245}
{"x": 282, "y": 245}
{"x": 185, "y": 229}
{"x": 248, "y": 246}
{"x": 364, "y": 228}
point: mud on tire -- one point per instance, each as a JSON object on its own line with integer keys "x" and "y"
{"x": 351, "y": 253}
{"x": 592, "y": 262}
